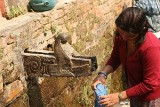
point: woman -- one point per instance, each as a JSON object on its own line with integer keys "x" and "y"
{"x": 138, "y": 51}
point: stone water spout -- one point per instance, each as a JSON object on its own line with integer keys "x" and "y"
{"x": 62, "y": 61}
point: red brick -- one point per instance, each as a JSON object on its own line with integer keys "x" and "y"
{"x": 3, "y": 7}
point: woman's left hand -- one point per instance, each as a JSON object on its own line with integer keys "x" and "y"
{"x": 109, "y": 100}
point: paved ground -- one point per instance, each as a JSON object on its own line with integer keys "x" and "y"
{"x": 122, "y": 104}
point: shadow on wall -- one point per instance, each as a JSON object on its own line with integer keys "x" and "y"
{"x": 34, "y": 93}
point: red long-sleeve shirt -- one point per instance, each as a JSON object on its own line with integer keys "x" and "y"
{"x": 142, "y": 67}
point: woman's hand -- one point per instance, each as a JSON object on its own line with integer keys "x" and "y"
{"x": 109, "y": 100}
{"x": 99, "y": 79}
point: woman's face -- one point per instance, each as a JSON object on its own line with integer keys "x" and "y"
{"x": 126, "y": 35}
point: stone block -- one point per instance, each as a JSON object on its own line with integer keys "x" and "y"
{"x": 48, "y": 35}
{"x": 16, "y": 3}
{"x": 11, "y": 39}
{"x": 3, "y": 42}
{"x": 58, "y": 14}
{"x": 12, "y": 91}
{"x": 1, "y": 55}
{"x": 50, "y": 41}
{"x": 42, "y": 45}
{"x": 11, "y": 73}
{"x": 1, "y": 83}
{"x": 8, "y": 49}
{"x": 1, "y": 66}
{"x": 1, "y": 101}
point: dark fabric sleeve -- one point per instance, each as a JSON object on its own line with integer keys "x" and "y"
{"x": 114, "y": 60}
{"x": 150, "y": 60}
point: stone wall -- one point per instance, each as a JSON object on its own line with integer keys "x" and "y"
{"x": 12, "y": 8}
{"x": 89, "y": 23}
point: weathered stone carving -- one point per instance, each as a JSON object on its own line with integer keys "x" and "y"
{"x": 63, "y": 61}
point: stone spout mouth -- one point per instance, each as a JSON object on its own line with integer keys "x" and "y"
{"x": 64, "y": 60}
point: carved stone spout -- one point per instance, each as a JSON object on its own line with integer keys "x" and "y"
{"x": 62, "y": 61}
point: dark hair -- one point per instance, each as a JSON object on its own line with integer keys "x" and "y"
{"x": 133, "y": 20}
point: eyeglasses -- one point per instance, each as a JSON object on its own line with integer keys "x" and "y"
{"x": 126, "y": 35}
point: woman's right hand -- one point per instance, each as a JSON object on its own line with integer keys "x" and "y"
{"x": 99, "y": 79}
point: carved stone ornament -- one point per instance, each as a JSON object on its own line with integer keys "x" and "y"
{"x": 62, "y": 61}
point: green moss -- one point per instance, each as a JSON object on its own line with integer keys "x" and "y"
{"x": 1, "y": 56}
{"x": 1, "y": 53}
{"x": 15, "y": 11}
{"x": 53, "y": 28}
{"x": 1, "y": 50}
{"x": 86, "y": 97}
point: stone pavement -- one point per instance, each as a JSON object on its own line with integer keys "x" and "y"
{"x": 123, "y": 104}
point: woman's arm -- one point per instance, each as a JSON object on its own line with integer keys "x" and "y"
{"x": 102, "y": 76}
{"x": 110, "y": 65}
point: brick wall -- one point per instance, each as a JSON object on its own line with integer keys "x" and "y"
{"x": 90, "y": 25}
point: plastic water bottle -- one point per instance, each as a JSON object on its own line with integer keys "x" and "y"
{"x": 100, "y": 90}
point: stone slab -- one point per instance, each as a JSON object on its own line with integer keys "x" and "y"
{"x": 12, "y": 91}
